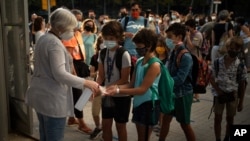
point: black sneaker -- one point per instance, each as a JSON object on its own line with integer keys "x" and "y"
{"x": 95, "y": 134}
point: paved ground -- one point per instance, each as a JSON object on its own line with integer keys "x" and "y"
{"x": 203, "y": 127}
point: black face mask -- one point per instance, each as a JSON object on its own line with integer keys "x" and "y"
{"x": 123, "y": 14}
{"x": 232, "y": 54}
{"x": 88, "y": 28}
{"x": 92, "y": 17}
{"x": 141, "y": 51}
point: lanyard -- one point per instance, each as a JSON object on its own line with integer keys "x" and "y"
{"x": 110, "y": 64}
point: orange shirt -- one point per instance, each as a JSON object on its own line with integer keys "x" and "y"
{"x": 72, "y": 46}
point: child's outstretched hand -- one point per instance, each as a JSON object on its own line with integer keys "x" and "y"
{"x": 111, "y": 90}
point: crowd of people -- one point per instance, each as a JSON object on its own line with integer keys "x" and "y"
{"x": 72, "y": 53}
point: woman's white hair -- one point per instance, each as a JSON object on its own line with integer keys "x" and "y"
{"x": 62, "y": 20}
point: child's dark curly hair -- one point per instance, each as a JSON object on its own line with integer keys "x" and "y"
{"x": 147, "y": 37}
{"x": 177, "y": 29}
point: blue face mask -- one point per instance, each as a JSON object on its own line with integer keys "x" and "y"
{"x": 109, "y": 44}
{"x": 170, "y": 44}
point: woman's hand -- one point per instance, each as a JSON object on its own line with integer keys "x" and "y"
{"x": 92, "y": 85}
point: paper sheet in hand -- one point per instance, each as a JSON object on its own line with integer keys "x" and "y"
{"x": 82, "y": 101}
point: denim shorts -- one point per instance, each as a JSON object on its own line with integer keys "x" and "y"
{"x": 146, "y": 114}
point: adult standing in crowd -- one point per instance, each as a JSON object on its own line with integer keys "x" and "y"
{"x": 193, "y": 42}
{"x": 244, "y": 33}
{"x": 134, "y": 23}
{"x": 131, "y": 24}
{"x": 50, "y": 91}
{"x": 92, "y": 16}
{"x": 76, "y": 49}
{"x": 31, "y": 29}
{"x": 218, "y": 30}
{"x": 89, "y": 38}
{"x": 122, "y": 13}
{"x": 39, "y": 27}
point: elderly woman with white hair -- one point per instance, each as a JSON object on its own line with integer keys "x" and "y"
{"x": 50, "y": 92}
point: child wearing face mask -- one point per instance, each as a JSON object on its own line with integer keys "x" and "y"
{"x": 115, "y": 108}
{"x": 96, "y": 103}
{"x": 228, "y": 80}
{"x": 182, "y": 75}
{"x": 162, "y": 52}
{"x": 142, "y": 85}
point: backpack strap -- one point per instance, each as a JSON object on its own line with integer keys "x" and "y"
{"x": 145, "y": 22}
{"x": 126, "y": 23}
{"x": 103, "y": 54}
{"x": 226, "y": 26}
{"x": 240, "y": 69}
{"x": 151, "y": 61}
{"x": 118, "y": 58}
{"x": 216, "y": 67}
{"x": 179, "y": 56}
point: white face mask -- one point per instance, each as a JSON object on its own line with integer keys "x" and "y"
{"x": 173, "y": 17}
{"x": 109, "y": 44}
{"x": 67, "y": 35}
{"x": 150, "y": 19}
{"x": 213, "y": 18}
{"x": 79, "y": 25}
{"x": 102, "y": 46}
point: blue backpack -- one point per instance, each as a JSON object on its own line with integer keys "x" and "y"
{"x": 165, "y": 87}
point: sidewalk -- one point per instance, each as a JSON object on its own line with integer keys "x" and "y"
{"x": 203, "y": 127}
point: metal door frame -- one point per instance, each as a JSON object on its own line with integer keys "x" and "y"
{"x": 3, "y": 99}
{"x": 15, "y": 38}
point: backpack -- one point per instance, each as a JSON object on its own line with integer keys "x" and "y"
{"x": 200, "y": 72}
{"x": 223, "y": 39}
{"x": 118, "y": 59}
{"x": 205, "y": 47}
{"x": 165, "y": 87}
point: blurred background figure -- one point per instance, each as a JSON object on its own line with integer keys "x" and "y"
{"x": 122, "y": 13}
{"x": 31, "y": 29}
{"x": 39, "y": 27}
{"x": 89, "y": 38}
